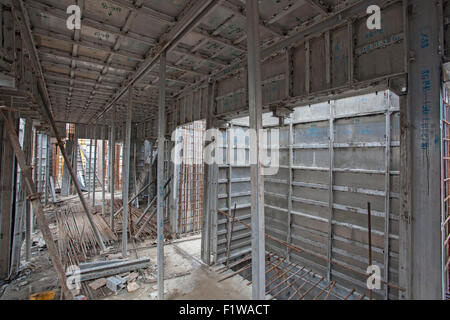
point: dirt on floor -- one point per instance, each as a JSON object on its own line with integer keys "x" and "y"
{"x": 187, "y": 278}
{"x": 37, "y": 276}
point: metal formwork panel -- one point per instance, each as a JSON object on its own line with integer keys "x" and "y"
{"x": 361, "y": 158}
{"x": 233, "y": 190}
{"x": 380, "y": 52}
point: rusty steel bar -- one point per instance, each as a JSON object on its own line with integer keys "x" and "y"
{"x": 323, "y": 290}
{"x": 223, "y": 269}
{"x": 273, "y": 267}
{"x": 304, "y": 283}
{"x": 282, "y": 274}
{"x": 297, "y": 249}
{"x": 237, "y": 272}
{"x": 284, "y": 281}
{"x": 331, "y": 289}
{"x": 349, "y": 295}
{"x": 312, "y": 287}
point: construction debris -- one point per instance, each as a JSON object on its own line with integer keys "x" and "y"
{"x": 133, "y": 276}
{"x": 75, "y": 237}
{"x": 95, "y": 270}
{"x": 140, "y": 228}
{"x": 116, "y": 283}
{"x": 132, "y": 286}
{"x": 97, "y": 284}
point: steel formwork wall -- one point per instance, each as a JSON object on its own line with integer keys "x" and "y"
{"x": 336, "y": 60}
{"x": 360, "y": 160}
{"x": 445, "y": 191}
{"x": 234, "y": 194}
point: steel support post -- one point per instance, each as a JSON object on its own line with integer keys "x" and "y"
{"x": 65, "y": 186}
{"x": 112, "y": 156}
{"x": 135, "y": 179}
{"x": 330, "y": 191}
{"x": 35, "y": 154}
{"x": 39, "y": 168}
{"x": 209, "y": 183}
{"x": 89, "y": 167}
{"x": 150, "y": 175}
{"x": 94, "y": 175}
{"x": 290, "y": 180}
{"x": 28, "y": 149}
{"x": 74, "y": 157}
{"x": 103, "y": 133}
{"x": 76, "y": 153}
{"x": 47, "y": 169}
{"x": 126, "y": 173}
{"x": 230, "y": 160}
{"x": 424, "y": 83}
{"x": 387, "y": 198}
{"x": 160, "y": 174}
{"x": 256, "y": 149}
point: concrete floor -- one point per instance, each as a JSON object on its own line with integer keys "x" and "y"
{"x": 180, "y": 258}
{"x": 187, "y": 278}
{"x": 202, "y": 282}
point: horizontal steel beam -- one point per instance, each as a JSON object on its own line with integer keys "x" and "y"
{"x": 110, "y": 268}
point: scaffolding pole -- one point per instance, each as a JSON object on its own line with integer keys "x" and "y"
{"x": 256, "y": 148}
{"x": 126, "y": 173}
{"x": 160, "y": 174}
{"x": 111, "y": 166}
{"x": 94, "y": 175}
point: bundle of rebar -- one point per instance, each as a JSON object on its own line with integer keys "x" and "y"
{"x": 75, "y": 237}
{"x": 190, "y": 186}
{"x": 142, "y": 226}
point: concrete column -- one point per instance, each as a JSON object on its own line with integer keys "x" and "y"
{"x": 256, "y": 149}
{"x": 420, "y": 256}
{"x": 160, "y": 183}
